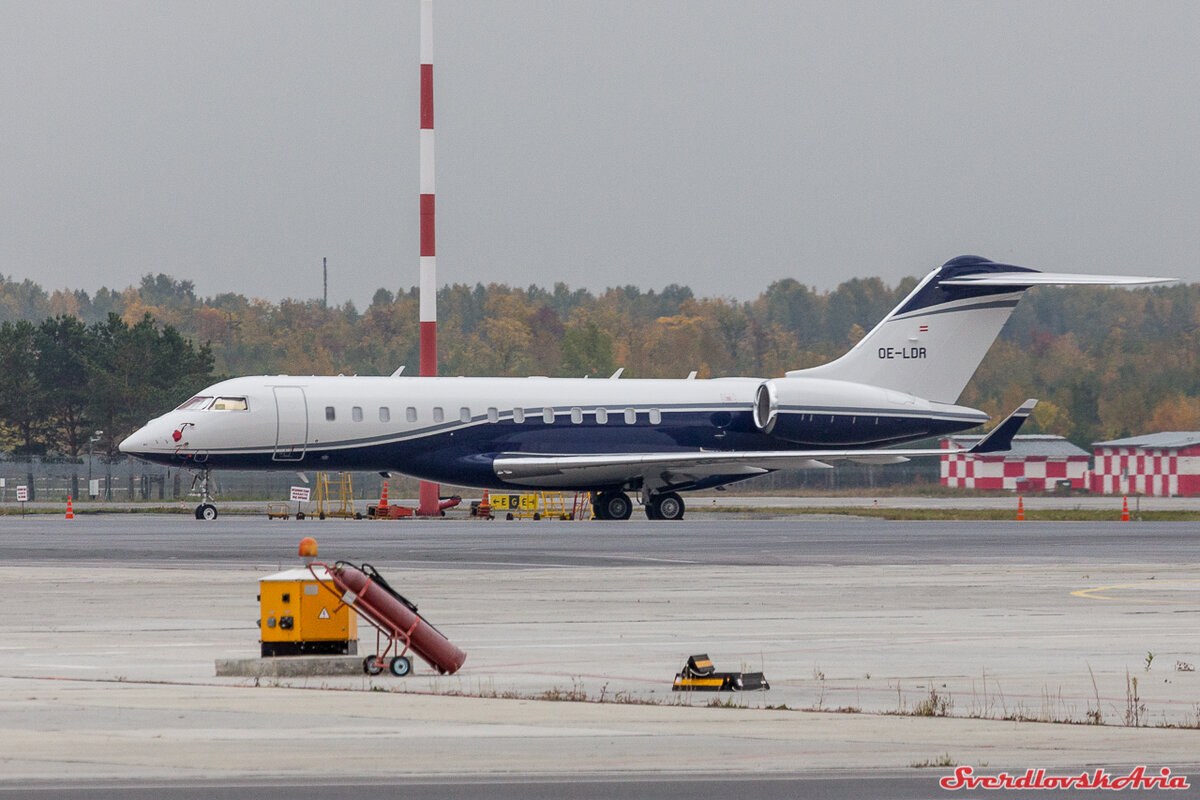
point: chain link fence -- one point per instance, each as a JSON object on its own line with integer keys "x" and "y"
{"x": 127, "y": 480}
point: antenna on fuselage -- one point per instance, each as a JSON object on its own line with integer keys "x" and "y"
{"x": 616, "y": 374}
{"x": 396, "y": 374}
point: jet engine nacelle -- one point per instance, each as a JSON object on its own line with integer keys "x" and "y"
{"x": 806, "y": 410}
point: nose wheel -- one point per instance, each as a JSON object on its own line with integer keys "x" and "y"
{"x": 206, "y": 511}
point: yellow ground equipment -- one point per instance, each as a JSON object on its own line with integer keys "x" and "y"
{"x": 338, "y": 502}
{"x": 297, "y": 618}
{"x": 278, "y": 511}
{"x": 699, "y": 675}
{"x": 540, "y": 505}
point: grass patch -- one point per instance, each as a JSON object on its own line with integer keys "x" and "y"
{"x": 971, "y": 514}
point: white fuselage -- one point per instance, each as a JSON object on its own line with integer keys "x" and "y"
{"x": 450, "y": 429}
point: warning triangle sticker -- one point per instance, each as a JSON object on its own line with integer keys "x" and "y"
{"x": 324, "y": 614}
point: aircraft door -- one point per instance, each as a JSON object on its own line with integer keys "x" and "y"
{"x": 291, "y": 423}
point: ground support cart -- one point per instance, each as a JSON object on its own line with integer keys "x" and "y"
{"x": 395, "y": 620}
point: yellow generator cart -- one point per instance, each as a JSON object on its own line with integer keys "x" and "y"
{"x": 296, "y": 617}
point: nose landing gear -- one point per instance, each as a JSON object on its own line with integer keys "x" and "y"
{"x": 206, "y": 511}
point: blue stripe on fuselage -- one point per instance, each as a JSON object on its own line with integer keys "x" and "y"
{"x": 464, "y": 453}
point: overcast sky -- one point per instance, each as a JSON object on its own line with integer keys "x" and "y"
{"x": 722, "y": 145}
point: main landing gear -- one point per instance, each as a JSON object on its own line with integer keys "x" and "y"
{"x": 617, "y": 505}
{"x": 612, "y": 505}
{"x": 668, "y": 505}
{"x": 206, "y": 510}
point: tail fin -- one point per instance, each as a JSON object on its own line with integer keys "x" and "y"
{"x": 931, "y": 344}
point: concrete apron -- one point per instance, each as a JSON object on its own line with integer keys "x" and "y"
{"x": 109, "y": 672}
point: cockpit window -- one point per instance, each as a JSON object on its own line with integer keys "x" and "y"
{"x": 230, "y": 404}
{"x": 195, "y": 404}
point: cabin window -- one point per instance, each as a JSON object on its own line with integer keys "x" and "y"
{"x": 195, "y": 404}
{"x": 548, "y": 416}
{"x": 410, "y": 414}
{"x": 576, "y": 415}
{"x": 601, "y": 416}
{"x": 464, "y": 414}
{"x": 330, "y": 414}
{"x": 630, "y": 416}
{"x": 385, "y": 414}
{"x": 493, "y": 414}
{"x": 356, "y": 413}
{"x": 655, "y": 416}
{"x": 519, "y": 415}
{"x": 438, "y": 414}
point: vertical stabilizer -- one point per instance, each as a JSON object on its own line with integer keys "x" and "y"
{"x": 931, "y": 344}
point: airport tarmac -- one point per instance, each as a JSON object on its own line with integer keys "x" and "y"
{"x": 113, "y": 625}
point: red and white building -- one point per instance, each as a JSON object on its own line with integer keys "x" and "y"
{"x": 1036, "y": 463}
{"x": 1157, "y": 464}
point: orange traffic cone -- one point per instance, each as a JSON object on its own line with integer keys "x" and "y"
{"x": 1125, "y": 509}
{"x": 1021, "y": 509}
{"x": 485, "y": 505}
{"x": 383, "y": 497}
{"x": 70, "y": 512}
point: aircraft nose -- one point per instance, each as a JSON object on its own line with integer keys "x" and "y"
{"x": 144, "y": 440}
{"x": 130, "y": 443}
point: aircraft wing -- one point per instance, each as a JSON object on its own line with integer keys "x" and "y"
{"x": 679, "y": 468}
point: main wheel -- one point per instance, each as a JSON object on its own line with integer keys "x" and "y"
{"x": 670, "y": 506}
{"x": 370, "y": 666}
{"x": 206, "y": 512}
{"x": 400, "y": 666}
{"x": 616, "y": 505}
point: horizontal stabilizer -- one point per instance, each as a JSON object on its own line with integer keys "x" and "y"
{"x": 1002, "y": 435}
{"x": 1026, "y": 279}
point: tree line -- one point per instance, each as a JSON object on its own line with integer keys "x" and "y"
{"x": 1105, "y": 362}
{"x": 65, "y": 385}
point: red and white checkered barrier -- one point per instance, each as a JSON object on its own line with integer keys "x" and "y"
{"x": 1000, "y": 471}
{"x": 1159, "y": 472}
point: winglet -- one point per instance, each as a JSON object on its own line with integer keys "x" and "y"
{"x": 1002, "y": 435}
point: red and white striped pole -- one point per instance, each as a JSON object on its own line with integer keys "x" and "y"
{"x": 428, "y": 491}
